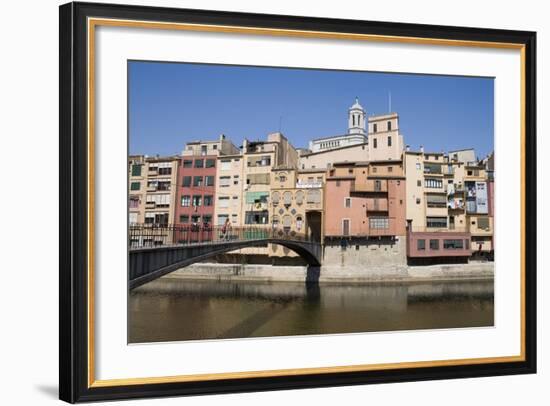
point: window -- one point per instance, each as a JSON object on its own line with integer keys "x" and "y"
{"x": 299, "y": 197}
{"x": 187, "y": 163}
{"x": 436, "y": 201}
{"x": 436, "y": 222}
{"x": 275, "y": 221}
{"x": 419, "y": 183}
{"x": 287, "y": 221}
{"x": 159, "y": 200}
{"x": 186, "y": 181}
{"x": 433, "y": 183}
{"x": 136, "y": 170}
{"x": 389, "y": 141}
{"x": 421, "y": 245}
{"x": 256, "y": 217}
{"x": 282, "y": 178}
{"x": 225, "y": 164}
{"x": 223, "y": 202}
{"x": 195, "y": 218}
{"x": 184, "y": 218}
{"x": 156, "y": 218}
{"x": 379, "y": 222}
{"x": 313, "y": 196}
{"x": 345, "y": 227}
{"x": 258, "y": 179}
{"x": 134, "y": 202}
{"x": 374, "y": 169}
{"x": 377, "y": 185}
{"x": 210, "y": 163}
{"x": 197, "y": 180}
{"x": 185, "y": 201}
{"x": 133, "y": 218}
{"x": 375, "y": 128}
{"x": 374, "y": 143}
{"x": 275, "y": 198}
{"x": 432, "y": 168}
{"x": 483, "y": 223}
{"x": 197, "y": 200}
{"x": 390, "y": 168}
{"x": 222, "y": 218}
{"x": 287, "y": 198}
{"x": 165, "y": 170}
{"x": 434, "y": 245}
{"x": 453, "y": 244}
{"x": 225, "y": 181}
{"x": 417, "y": 200}
{"x": 208, "y": 200}
{"x": 204, "y": 150}
{"x": 199, "y": 163}
{"x": 135, "y": 186}
{"x": 418, "y": 166}
{"x": 207, "y": 219}
{"x": 389, "y": 129}
{"x": 209, "y": 181}
{"x": 347, "y": 202}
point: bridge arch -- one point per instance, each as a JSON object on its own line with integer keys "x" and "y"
{"x": 148, "y": 264}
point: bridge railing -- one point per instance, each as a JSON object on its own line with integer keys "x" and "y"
{"x": 154, "y": 235}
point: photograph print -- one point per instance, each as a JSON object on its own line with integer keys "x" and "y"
{"x": 269, "y": 201}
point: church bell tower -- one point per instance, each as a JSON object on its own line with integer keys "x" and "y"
{"x": 356, "y": 119}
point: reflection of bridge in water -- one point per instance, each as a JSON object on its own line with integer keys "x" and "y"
{"x": 158, "y": 250}
{"x": 200, "y": 309}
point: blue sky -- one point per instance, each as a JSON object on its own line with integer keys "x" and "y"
{"x": 173, "y": 103}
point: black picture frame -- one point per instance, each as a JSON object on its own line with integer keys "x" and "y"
{"x": 74, "y": 359}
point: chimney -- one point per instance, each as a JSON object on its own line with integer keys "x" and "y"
{"x": 422, "y": 149}
{"x": 407, "y": 148}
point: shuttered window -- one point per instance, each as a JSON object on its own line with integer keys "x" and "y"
{"x": 314, "y": 196}
{"x": 287, "y": 198}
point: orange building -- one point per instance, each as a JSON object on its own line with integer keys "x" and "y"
{"x": 365, "y": 199}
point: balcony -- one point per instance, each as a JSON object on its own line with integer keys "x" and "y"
{"x": 370, "y": 186}
{"x": 377, "y": 204}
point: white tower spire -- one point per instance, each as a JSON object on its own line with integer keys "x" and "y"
{"x": 356, "y": 119}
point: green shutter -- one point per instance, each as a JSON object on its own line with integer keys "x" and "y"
{"x": 135, "y": 186}
{"x": 136, "y": 170}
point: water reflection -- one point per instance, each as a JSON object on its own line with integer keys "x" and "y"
{"x": 172, "y": 309}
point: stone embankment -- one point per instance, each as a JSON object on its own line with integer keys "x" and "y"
{"x": 336, "y": 274}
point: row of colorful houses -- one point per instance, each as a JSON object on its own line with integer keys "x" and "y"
{"x": 349, "y": 189}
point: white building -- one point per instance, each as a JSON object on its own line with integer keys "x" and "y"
{"x": 378, "y": 137}
{"x": 356, "y": 132}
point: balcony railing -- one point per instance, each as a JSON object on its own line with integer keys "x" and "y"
{"x": 370, "y": 186}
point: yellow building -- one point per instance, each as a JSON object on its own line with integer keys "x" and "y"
{"x": 296, "y": 205}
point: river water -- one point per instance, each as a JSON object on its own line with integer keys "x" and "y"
{"x": 170, "y": 309}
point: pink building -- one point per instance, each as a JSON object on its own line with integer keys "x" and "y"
{"x": 440, "y": 245}
{"x": 196, "y": 196}
{"x": 365, "y": 200}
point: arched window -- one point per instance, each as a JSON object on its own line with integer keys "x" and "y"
{"x": 299, "y": 197}
{"x": 287, "y": 198}
{"x": 287, "y": 221}
{"x": 275, "y": 198}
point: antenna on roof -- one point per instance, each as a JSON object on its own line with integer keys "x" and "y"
{"x": 389, "y": 102}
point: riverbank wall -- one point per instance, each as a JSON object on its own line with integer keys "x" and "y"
{"x": 335, "y": 274}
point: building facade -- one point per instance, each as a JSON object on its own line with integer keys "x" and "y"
{"x": 447, "y": 208}
{"x": 229, "y": 190}
{"x": 296, "y": 206}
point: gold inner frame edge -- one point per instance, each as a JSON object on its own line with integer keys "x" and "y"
{"x": 93, "y": 22}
